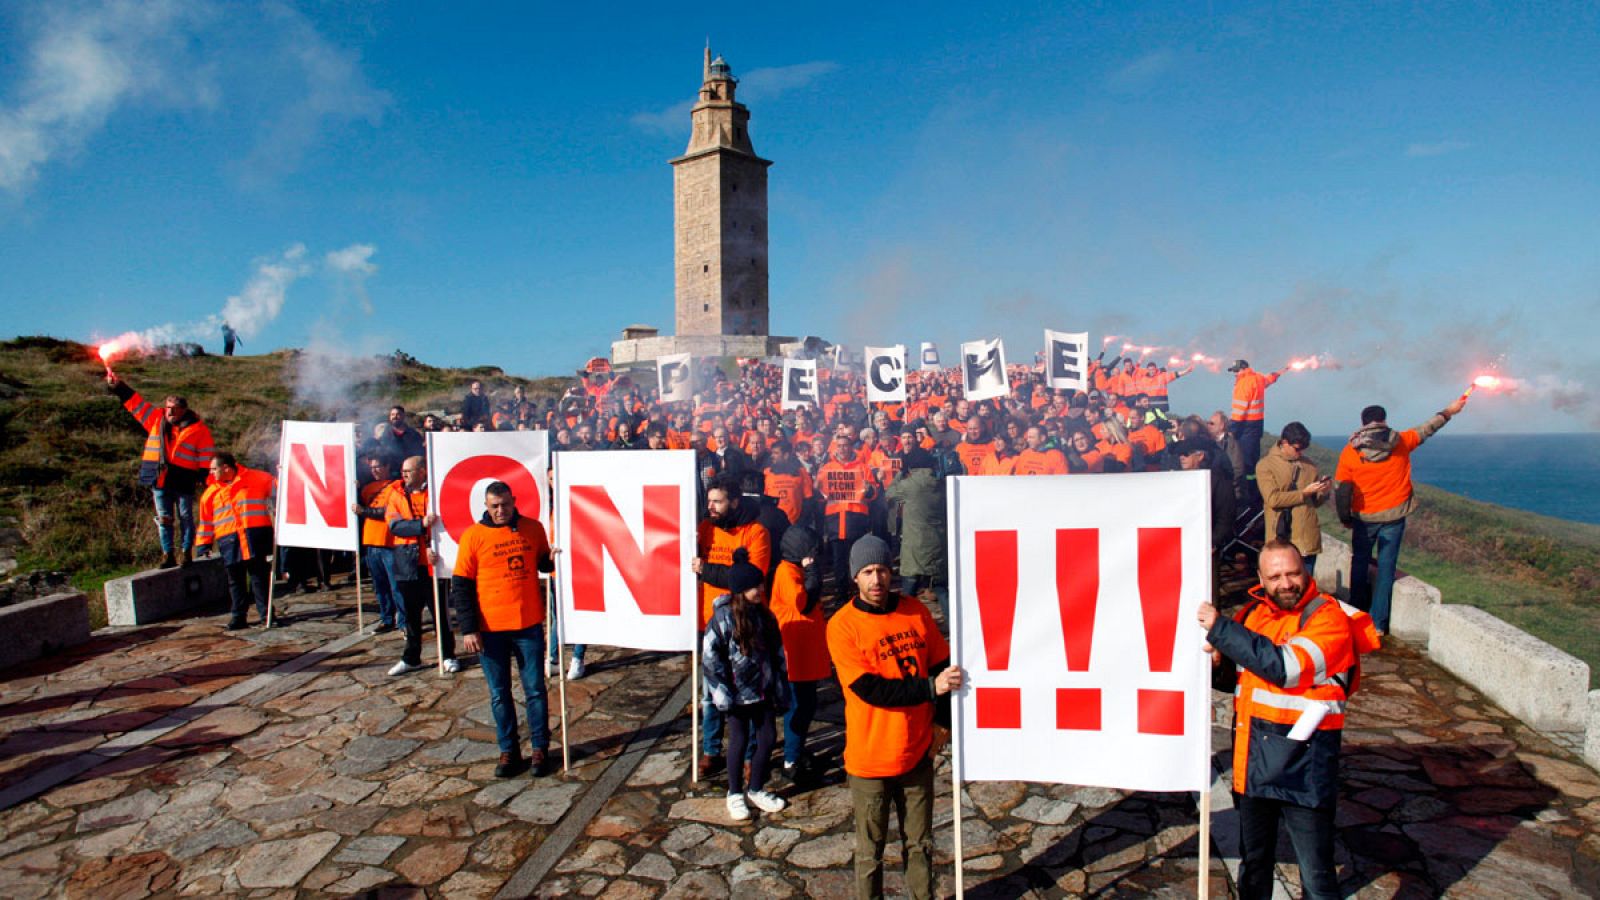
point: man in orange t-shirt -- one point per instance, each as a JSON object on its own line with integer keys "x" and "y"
{"x": 894, "y": 667}
{"x": 499, "y": 607}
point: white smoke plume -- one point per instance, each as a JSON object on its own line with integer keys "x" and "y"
{"x": 248, "y": 312}
{"x": 353, "y": 266}
{"x": 342, "y": 374}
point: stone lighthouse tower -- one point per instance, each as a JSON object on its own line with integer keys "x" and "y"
{"x": 719, "y": 190}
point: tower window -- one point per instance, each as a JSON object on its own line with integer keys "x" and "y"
{"x": 705, "y": 307}
{"x": 705, "y": 267}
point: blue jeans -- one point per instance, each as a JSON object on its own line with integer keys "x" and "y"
{"x": 710, "y": 725}
{"x": 390, "y": 610}
{"x": 499, "y": 649}
{"x": 797, "y": 719}
{"x": 1310, "y": 831}
{"x": 1383, "y": 540}
{"x": 1248, "y": 434}
{"x": 166, "y": 499}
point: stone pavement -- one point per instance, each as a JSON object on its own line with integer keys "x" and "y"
{"x": 339, "y": 780}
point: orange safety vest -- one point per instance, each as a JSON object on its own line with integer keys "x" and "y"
{"x": 845, "y": 487}
{"x": 1250, "y": 395}
{"x": 375, "y": 532}
{"x": 403, "y": 504}
{"x": 237, "y": 516}
{"x": 190, "y": 446}
{"x": 1381, "y": 485}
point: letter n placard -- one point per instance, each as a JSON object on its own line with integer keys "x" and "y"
{"x": 316, "y": 485}
{"x": 625, "y": 525}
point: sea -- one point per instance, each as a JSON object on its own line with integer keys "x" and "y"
{"x": 1550, "y": 474}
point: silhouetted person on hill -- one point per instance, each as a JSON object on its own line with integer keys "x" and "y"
{"x": 229, "y": 338}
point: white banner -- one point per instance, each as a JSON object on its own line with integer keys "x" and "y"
{"x": 626, "y": 524}
{"x": 1066, "y": 359}
{"x": 1075, "y": 618}
{"x": 930, "y": 356}
{"x": 983, "y": 370}
{"x": 316, "y": 486}
{"x": 462, "y": 463}
{"x": 675, "y": 377}
{"x": 800, "y": 384}
{"x": 886, "y": 374}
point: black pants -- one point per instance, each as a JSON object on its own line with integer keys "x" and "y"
{"x": 418, "y": 595}
{"x": 756, "y": 724}
{"x": 1310, "y": 831}
{"x": 259, "y": 571}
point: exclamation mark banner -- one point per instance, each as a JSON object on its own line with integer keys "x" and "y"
{"x": 1160, "y": 586}
{"x": 995, "y": 568}
{"x": 1077, "y": 593}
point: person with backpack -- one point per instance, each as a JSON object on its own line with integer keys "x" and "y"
{"x": 742, "y": 659}
{"x": 1295, "y": 653}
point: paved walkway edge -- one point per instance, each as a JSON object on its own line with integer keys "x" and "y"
{"x": 276, "y": 681}
{"x": 560, "y": 840}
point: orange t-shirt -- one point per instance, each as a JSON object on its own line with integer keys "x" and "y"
{"x": 973, "y": 455}
{"x": 717, "y": 546}
{"x": 805, "y": 638}
{"x": 1040, "y": 462}
{"x": 791, "y": 491}
{"x": 994, "y": 465}
{"x": 505, "y": 564}
{"x": 882, "y": 742}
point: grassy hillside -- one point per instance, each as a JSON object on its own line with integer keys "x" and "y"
{"x": 1538, "y": 573}
{"x": 69, "y": 452}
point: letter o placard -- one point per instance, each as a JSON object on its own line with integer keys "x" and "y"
{"x": 455, "y": 494}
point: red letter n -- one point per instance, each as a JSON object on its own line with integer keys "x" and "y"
{"x": 327, "y": 489}
{"x": 652, "y": 573}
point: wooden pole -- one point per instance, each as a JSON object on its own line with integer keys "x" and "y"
{"x": 1205, "y": 845}
{"x": 360, "y": 621}
{"x": 561, "y": 673}
{"x": 952, "y": 499}
{"x": 272, "y": 582}
{"x": 694, "y": 711}
{"x": 438, "y": 624}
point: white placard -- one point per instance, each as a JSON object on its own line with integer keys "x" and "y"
{"x": 316, "y": 486}
{"x": 930, "y": 357}
{"x": 675, "y": 377}
{"x": 983, "y": 370}
{"x": 625, "y": 521}
{"x": 886, "y": 374}
{"x": 462, "y": 463}
{"x": 800, "y": 384}
{"x": 1066, "y": 359}
{"x": 1075, "y": 602}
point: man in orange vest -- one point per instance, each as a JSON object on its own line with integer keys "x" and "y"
{"x": 412, "y": 563}
{"x": 1250, "y": 411}
{"x": 177, "y": 451}
{"x": 1294, "y": 651}
{"x": 236, "y": 518}
{"x": 499, "y": 605}
{"x": 1373, "y": 496}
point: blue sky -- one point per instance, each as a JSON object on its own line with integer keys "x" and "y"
{"x": 1411, "y": 190}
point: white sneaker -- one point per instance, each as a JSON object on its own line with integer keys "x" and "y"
{"x": 575, "y": 671}
{"x": 451, "y": 666}
{"x": 767, "y": 801}
{"x": 738, "y": 810}
{"x": 403, "y": 668}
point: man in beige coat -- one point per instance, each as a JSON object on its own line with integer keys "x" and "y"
{"x": 1291, "y": 486}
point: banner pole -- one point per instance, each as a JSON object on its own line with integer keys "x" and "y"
{"x": 1204, "y": 890}
{"x": 694, "y": 710}
{"x": 438, "y": 624}
{"x": 360, "y": 621}
{"x": 952, "y": 505}
{"x": 561, "y": 673}
{"x": 272, "y": 581}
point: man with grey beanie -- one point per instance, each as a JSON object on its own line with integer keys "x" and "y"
{"x": 894, "y": 666}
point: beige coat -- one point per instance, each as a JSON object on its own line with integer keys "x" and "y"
{"x": 1273, "y": 475}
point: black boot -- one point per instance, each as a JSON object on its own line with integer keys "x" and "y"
{"x": 167, "y": 561}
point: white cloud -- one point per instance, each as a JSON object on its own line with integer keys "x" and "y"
{"x": 334, "y": 91}
{"x": 774, "y": 81}
{"x": 83, "y": 63}
{"x": 1141, "y": 73}
{"x": 1437, "y": 148}
{"x": 754, "y": 86}
{"x": 353, "y": 266}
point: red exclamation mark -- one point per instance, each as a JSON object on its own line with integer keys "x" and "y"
{"x": 995, "y": 560}
{"x": 1160, "y": 584}
{"x": 1077, "y": 592}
